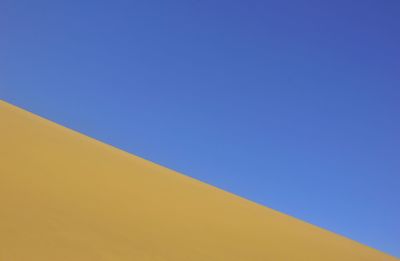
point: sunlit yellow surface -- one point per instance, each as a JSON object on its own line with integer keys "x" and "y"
{"x": 64, "y": 196}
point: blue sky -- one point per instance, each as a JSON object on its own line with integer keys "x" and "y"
{"x": 292, "y": 104}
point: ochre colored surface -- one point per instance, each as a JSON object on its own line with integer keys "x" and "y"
{"x": 64, "y": 196}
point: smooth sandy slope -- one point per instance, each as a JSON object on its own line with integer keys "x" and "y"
{"x": 64, "y": 196}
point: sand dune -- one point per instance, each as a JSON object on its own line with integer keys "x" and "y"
{"x": 65, "y": 196}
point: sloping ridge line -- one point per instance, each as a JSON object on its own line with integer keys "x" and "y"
{"x": 66, "y": 196}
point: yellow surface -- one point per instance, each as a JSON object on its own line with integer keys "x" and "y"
{"x": 64, "y": 196}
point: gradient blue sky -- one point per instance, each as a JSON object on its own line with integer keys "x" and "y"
{"x": 292, "y": 104}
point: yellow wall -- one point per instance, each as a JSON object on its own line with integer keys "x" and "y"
{"x": 64, "y": 196}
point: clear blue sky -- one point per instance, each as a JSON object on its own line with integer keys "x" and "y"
{"x": 292, "y": 104}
